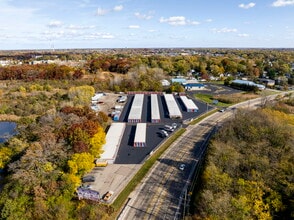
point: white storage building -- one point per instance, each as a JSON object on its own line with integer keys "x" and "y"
{"x": 140, "y": 135}
{"x": 172, "y": 106}
{"x": 189, "y": 104}
{"x": 136, "y": 109}
{"x": 155, "y": 115}
{"x": 113, "y": 139}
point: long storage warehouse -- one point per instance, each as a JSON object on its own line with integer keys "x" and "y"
{"x": 155, "y": 115}
{"x": 136, "y": 109}
{"x": 113, "y": 139}
{"x": 173, "y": 108}
{"x": 140, "y": 135}
{"x": 189, "y": 104}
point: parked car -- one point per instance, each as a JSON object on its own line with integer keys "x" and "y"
{"x": 182, "y": 166}
{"x": 107, "y": 195}
{"x": 174, "y": 125}
{"x": 86, "y": 186}
{"x": 122, "y": 99}
{"x": 222, "y": 110}
{"x": 163, "y": 133}
{"x": 168, "y": 128}
{"x": 88, "y": 179}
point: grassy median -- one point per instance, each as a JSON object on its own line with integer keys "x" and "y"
{"x": 123, "y": 196}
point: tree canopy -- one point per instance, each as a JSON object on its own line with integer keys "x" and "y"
{"x": 249, "y": 168}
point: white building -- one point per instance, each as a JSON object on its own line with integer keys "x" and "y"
{"x": 136, "y": 109}
{"x": 189, "y": 104}
{"x": 172, "y": 106}
{"x": 155, "y": 114}
{"x": 165, "y": 82}
{"x": 113, "y": 139}
{"x": 140, "y": 136}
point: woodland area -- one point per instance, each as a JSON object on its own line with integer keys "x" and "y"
{"x": 59, "y": 135}
{"x": 249, "y": 168}
{"x": 142, "y": 69}
{"x": 45, "y": 163}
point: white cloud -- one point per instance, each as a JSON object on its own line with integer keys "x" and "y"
{"x": 151, "y": 30}
{"x": 101, "y": 11}
{"x": 194, "y": 22}
{"x": 281, "y": 3}
{"x": 208, "y": 20}
{"x": 118, "y": 8}
{"x": 54, "y": 24}
{"x": 144, "y": 16}
{"x": 244, "y": 6}
{"x": 174, "y": 20}
{"x": 94, "y": 36}
{"x": 178, "y": 21}
{"x": 78, "y": 27}
{"x": 243, "y": 35}
{"x": 224, "y": 30}
{"x": 107, "y": 36}
{"x": 134, "y": 27}
{"x": 48, "y": 35}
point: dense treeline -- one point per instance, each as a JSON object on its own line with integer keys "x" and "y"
{"x": 249, "y": 168}
{"x": 45, "y": 163}
{"x": 250, "y": 63}
{"x": 111, "y": 64}
{"x": 40, "y": 71}
{"x": 204, "y": 63}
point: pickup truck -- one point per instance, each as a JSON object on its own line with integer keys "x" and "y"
{"x": 107, "y": 196}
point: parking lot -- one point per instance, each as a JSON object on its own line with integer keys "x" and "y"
{"x": 129, "y": 159}
{"x": 127, "y": 154}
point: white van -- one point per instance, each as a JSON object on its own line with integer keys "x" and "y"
{"x": 168, "y": 128}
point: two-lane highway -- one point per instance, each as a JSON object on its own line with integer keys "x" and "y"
{"x": 161, "y": 191}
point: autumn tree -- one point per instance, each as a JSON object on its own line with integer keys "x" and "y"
{"x": 81, "y": 163}
{"x": 81, "y": 95}
{"x": 248, "y": 168}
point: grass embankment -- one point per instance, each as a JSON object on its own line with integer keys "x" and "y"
{"x": 123, "y": 196}
{"x": 197, "y": 120}
{"x": 226, "y": 100}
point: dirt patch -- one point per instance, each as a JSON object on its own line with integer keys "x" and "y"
{"x": 108, "y": 102}
{"x": 9, "y": 117}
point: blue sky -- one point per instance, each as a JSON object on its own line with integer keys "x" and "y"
{"x": 40, "y": 24}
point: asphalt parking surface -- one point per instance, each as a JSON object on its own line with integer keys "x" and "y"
{"x": 127, "y": 154}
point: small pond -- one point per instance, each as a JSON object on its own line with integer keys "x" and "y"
{"x": 7, "y": 130}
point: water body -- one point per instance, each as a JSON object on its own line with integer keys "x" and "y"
{"x": 7, "y": 130}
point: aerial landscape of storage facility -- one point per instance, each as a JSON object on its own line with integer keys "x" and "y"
{"x": 113, "y": 139}
{"x": 140, "y": 136}
{"x": 173, "y": 108}
{"x": 136, "y": 110}
{"x": 139, "y": 128}
{"x": 155, "y": 115}
{"x": 189, "y": 104}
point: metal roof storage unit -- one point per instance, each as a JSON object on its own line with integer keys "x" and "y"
{"x": 173, "y": 108}
{"x": 155, "y": 115}
{"x": 136, "y": 110}
{"x": 113, "y": 139}
{"x": 88, "y": 194}
{"x": 189, "y": 104}
{"x": 140, "y": 135}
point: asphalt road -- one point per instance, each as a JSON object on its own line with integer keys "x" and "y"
{"x": 163, "y": 191}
